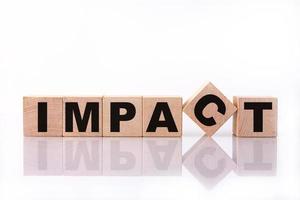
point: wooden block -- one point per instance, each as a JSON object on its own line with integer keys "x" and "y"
{"x": 162, "y": 116}
{"x": 256, "y": 117}
{"x": 42, "y": 116}
{"x": 122, "y": 116}
{"x": 82, "y": 116}
{"x": 255, "y": 156}
{"x": 209, "y": 108}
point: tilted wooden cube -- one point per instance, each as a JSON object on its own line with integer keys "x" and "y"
{"x": 209, "y": 108}
{"x": 256, "y": 117}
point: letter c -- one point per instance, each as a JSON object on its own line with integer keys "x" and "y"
{"x": 202, "y": 103}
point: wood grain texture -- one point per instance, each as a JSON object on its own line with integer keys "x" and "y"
{"x": 211, "y": 110}
{"x": 132, "y": 127}
{"x": 243, "y": 120}
{"x": 175, "y": 105}
{"x": 54, "y": 116}
{"x": 82, "y": 102}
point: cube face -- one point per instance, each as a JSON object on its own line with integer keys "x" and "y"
{"x": 209, "y": 108}
{"x": 162, "y": 116}
{"x": 255, "y": 156}
{"x": 42, "y": 116}
{"x": 122, "y": 116}
{"x": 82, "y": 116}
{"x": 256, "y": 117}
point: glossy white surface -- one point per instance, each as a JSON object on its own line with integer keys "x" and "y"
{"x": 145, "y": 168}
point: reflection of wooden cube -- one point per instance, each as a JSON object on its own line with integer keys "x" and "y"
{"x": 162, "y": 156}
{"x": 255, "y": 156}
{"x": 82, "y": 156}
{"x": 122, "y": 116}
{"x": 122, "y": 156}
{"x": 82, "y": 116}
{"x": 209, "y": 108}
{"x": 42, "y": 116}
{"x": 162, "y": 116}
{"x": 256, "y": 117}
{"x": 43, "y": 156}
{"x": 207, "y": 162}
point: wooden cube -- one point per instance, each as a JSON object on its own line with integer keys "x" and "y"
{"x": 209, "y": 108}
{"x": 42, "y": 116}
{"x": 82, "y": 116}
{"x": 162, "y": 116}
{"x": 256, "y": 117}
{"x": 255, "y": 156}
{"x": 122, "y": 116}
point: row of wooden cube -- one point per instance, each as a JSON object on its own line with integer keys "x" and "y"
{"x": 136, "y": 124}
{"x": 148, "y": 116}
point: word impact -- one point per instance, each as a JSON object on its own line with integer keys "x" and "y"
{"x": 148, "y": 116}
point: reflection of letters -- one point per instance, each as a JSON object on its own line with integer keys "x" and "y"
{"x": 258, "y": 163}
{"x": 42, "y": 155}
{"x": 122, "y": 156}
{"x": 255, "y": 156}
{"x": 207, "y": 162}
{"x": 80, "y": 152}
{"x": 205, "y": 167}
{"x": 121, "y": 160}
{"x": 162, "y": 154}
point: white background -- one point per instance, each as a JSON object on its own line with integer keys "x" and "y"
{"x": 150, "y": 47}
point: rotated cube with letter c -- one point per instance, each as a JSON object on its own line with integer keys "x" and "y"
{"x": 209, "y": 108}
